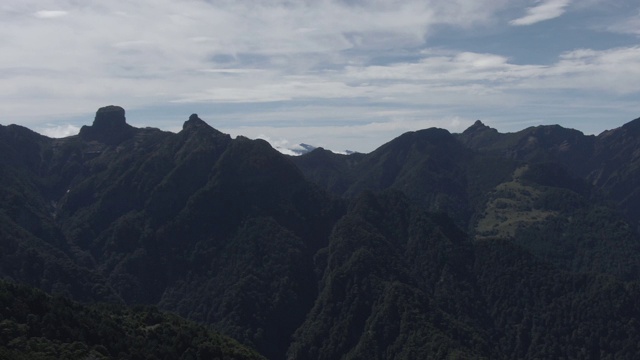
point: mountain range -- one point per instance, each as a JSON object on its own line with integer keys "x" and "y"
{"x": 435, "y": 245}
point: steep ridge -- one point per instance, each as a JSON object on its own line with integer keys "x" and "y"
{"x": 617, "y": 168}
{"x": 149, "y": 214}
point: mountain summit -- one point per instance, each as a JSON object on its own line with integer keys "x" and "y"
{"x": 110, "y": 117}
{"x": 477, "y": 126}
{"x": 109, "y": 126}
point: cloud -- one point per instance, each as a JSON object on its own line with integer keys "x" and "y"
{"x": 617, "y": 71}
{"x": 545, "y": 10}
{"x": 282, "y": 145}
{"x": 50, "y": 14}
{"x": 630, "y": 25}
{"x": 142, "y": 53}
{"x": 614, "y": 71}
{"x": 58, "y": 131}
{"x": 451, "y": 90}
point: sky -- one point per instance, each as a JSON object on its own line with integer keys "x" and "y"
{"x": 341, "y": 74}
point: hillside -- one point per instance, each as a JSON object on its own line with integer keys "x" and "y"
{"x": 37, "y": 326}
{"x": 435, "y": 245}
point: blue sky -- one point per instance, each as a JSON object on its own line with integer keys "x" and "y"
{"x": 342, "y": 74}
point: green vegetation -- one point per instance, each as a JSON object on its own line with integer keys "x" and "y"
{"x": 511, "y": 206}
{"x": 34, "y": 325}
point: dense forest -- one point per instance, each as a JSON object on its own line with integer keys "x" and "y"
{"x": 132, "y": 243}
{"x": 38, "y": 326}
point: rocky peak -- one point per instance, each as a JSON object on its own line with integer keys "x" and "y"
{"x": 477, "y": 127}
{"x": 479, "y": 135}
{"x": 109, "y": 126}
{"x": 196, "y": 124}
{"x": 109, "y": 117}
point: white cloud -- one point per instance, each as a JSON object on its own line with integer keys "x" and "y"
{"x": 59, "y": 131}
{"x": 616, "y": 71}
{"x": 50, "y": 14}
{"x": 283, "y": 145}
{"x": 545, "y": 10}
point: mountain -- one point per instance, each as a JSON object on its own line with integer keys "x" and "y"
{"x": 143, "y": 216}
{"x": 435, "y": 245}
{"x": 535, "y": 187}
{"x": 607, "y": 161}
{"x": 430, "y": 166}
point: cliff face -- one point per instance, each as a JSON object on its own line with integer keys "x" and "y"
{"x": 109, "y": 127}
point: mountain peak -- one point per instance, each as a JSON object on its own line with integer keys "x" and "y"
{"x": 478, "y": 135}
{"x": 195, "y": 123}
{"x": 109, "y": 125}
{"x": 477, "y": 127}
{"x": 109, "y": 117}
